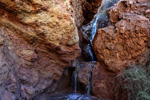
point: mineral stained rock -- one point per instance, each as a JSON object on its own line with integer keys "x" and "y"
{"x": 38, "y": 39}
{"x": 120, "y": 45}
{"x": 127, "y": 41}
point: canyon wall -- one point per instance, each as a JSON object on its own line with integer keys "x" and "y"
{"x": 38, "y": 39}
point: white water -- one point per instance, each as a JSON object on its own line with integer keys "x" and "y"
{"x": 74, "y": 77}
{"x": 100, "y": 20}
{"x": 75, "y": 81}
{"x": 76, "y": 96}
{"x": 94, "y": 28}
{"x": 92, "y": 58}
{"x": 102, "y": 16}
{"x": 88, "y": 87}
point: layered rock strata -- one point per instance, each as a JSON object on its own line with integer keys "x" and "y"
{"x": 37, "y": 39}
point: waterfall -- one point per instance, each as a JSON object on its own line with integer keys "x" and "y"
{"x": 75, "y": 82}
{"x": 91, "y": 36}
{"x": 100, "y": 20}
{"x": 74, "y": 77}
{"x": 88, "y": 87}
{"x": 91, "y": 53}
{"x": 93, "y": 28}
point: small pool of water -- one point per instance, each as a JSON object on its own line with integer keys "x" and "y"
{"x": 75, "y": 96}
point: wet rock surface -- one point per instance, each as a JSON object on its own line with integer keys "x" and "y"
{"x": 120, "y": 45}
{"x": 85, "y": 69}
{"x": 39, "y": 39}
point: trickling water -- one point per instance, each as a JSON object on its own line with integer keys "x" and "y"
{"x": 91, "y": 53}
{"x": 100, "y": 19}
{"x": 88, "y": 87}
{"x": 76, "y": 96}
{"x": 74, "y": 77}
{"x": 94, "y": 28}
{"x": 75, "y": 82}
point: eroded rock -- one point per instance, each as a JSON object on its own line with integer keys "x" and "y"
{"x": 126, "y": 42}
{"x": 102, "y": 83}
{"x": 120, "y": 45}
{"x": 39, "y": 39}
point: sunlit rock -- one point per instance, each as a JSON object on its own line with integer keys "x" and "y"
{"x": 39, "y": 39}
{"x": 120, "y": 45}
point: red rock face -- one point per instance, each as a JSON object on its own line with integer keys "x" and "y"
{"x": 102, "y": 82}
{"x": 124, "y": 42}
{"x": 38, "y": 39}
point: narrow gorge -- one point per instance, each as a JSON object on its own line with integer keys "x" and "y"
{"x": 74, "y": 49}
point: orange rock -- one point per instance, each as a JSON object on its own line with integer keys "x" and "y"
{"x": 119, "y": 45}
{"x": 125, "y": 43}
{"x": 41, "y": 39}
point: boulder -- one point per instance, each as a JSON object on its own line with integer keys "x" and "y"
{"x": 126, "y": 42}
{"x": 120, "y": 45}
{"x": 102, "y": 83}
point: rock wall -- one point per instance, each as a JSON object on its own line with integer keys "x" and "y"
{"x": 90, "y": 8}
{"x": 120, "y": 45}
{"x": 36, "y": 41}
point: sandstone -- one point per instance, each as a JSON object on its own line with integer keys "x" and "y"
{"x": 85, "y": 71}
{"x": 120, "y": 45}
{"x": 37, "y": 39}
{"x": 102, "y": 83}
{"x": 124, "y": 44}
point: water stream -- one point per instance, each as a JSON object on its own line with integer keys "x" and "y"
{"x": 88, "y": 87}
{"x": 76, "y": 95}
{"x": 92, "y": 58}
{"x": 75, "y": 75}
{"x": 100, "y": 20}
{"x": 93, "y": 28}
